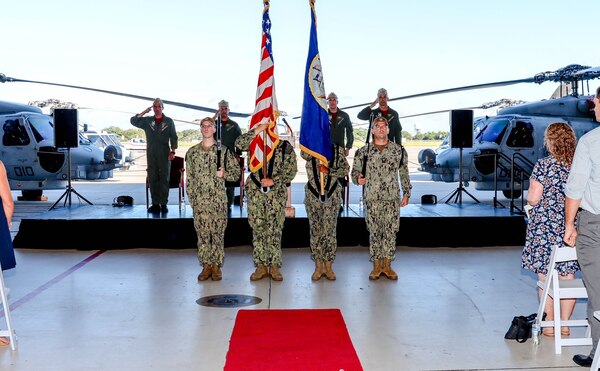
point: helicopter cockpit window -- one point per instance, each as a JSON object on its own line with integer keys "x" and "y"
{"x": 84, "y": 140}
{"x": 14, "y": 134}
{"x": 96, "y": 140}
{"x": 115, "y": 139}
{"x": 493, "y": 132}
{"x": 41, "y": 128}
{"x": 521, "y": 135}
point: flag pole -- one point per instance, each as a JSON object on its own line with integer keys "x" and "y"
{"x": 264, "y": 159}
{"x": 322, "y": 180}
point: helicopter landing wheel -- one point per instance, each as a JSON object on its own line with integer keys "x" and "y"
{"x": 32, "y": 195}
{"x": 516, "y": 194}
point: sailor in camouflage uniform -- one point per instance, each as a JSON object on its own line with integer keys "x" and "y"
{"x": 266, "y": 210}
{"x": 206, "y": 192}
{"x": 385, "y": 161}
{"x": 323, "y": 210}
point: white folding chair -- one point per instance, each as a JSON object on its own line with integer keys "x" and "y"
{"x": 9, "y": 332}
{"x": 562, "y": 289}
{"x": 596, "y": 362}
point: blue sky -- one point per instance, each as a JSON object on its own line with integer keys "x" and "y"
{"x": 203, "y": 51}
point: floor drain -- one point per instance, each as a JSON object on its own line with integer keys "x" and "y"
{"x": 228, "y": 301}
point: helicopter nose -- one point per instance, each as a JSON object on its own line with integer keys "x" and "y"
{"x": 426, "y": 157}
{"x": 485, "y": 161}
{"x": 112, "y": 154}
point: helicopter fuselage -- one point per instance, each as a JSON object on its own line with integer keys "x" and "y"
{"x": 506, "y": 147}
{"x": 32, "y": 161}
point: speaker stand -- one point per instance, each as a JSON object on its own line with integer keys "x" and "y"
{"x": 70, "y": 189}
{"x": 457, "y": 194}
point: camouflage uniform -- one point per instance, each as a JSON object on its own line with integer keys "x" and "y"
{"x": 206, "y": 193}
{"x": 382, "y": 194}
{"x": 157, "y": 154}
{"x": 266, "y": 211}
{"x": 322, "y": 215}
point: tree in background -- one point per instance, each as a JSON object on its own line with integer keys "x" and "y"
{"x": 189, "y": 135}
{"x": 361, "y": 134}
{"x": 126, "y": 134}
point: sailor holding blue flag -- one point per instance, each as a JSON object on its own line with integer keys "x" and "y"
{"x": 325, "y": 163}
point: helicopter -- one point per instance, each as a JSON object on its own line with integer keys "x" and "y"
{"x": 507, "y": 145}
{"x": 32, "y": 161}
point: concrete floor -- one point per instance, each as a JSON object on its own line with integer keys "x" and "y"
{"x": 136, "y": 309}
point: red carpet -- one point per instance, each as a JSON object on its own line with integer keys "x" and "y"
{"x": 301, "y": 339}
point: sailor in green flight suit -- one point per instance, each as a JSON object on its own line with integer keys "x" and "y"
{"x": 230, "y": 131}
{"x": 160, "y": 131}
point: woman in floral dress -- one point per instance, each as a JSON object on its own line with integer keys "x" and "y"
{"x": 546, "y": 222}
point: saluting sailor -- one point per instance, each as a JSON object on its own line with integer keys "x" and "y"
{"x": 391, "y": 116}
{"x": 160, "y": 131}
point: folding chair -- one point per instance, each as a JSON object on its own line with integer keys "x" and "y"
{"x": 562, "y": 289}
{"x": 596, "y": 362}
{"x": 176, "y": 180}
{"x": 9, "y": 332}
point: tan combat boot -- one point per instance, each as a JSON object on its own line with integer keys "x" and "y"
{"x": 216, "y": 272}
{"x": 275, "y": 273}
{"x": 329, "y": 270}
{"x": 374, "y": 275}
{"x": 206, "y": 272}
{"x": 388, "y": 271}
{"x": 318, "y": 271}
{"x": 260, "y": 273}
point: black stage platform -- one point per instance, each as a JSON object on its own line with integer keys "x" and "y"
{"x": 103, "y": 227}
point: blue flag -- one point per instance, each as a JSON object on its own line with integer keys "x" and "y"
{"x": 314, "y": 125}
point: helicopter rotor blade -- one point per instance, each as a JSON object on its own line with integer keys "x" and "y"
{"x": 4, "y": 78}
{"x": 572, "y": 72}
{"x": 195, "y": 122}
{"x": 436, "y": 112}
{"x": 504, "y": 102}
{"x": 454, "y": 90}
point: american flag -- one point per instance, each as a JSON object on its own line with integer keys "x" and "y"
{"x": 261, "y": 150}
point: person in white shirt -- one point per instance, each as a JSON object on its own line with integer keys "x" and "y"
{"x": 583, "y": 191}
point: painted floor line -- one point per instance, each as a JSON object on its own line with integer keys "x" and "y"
{"x": 53, "y": 282}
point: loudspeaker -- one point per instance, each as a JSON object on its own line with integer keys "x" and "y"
{"x": 428, "y": 200}
{"x": 461, "y": 128}
{"x": 66, "y": 133}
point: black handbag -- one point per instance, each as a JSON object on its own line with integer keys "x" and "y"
{"x": 123, "y": 201}
{"x": 520, "y": 328}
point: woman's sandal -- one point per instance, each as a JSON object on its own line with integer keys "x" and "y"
{"x": 548, "y": 331}
{"x": 4, "y": 341}
{"x": 565, "y": 331}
